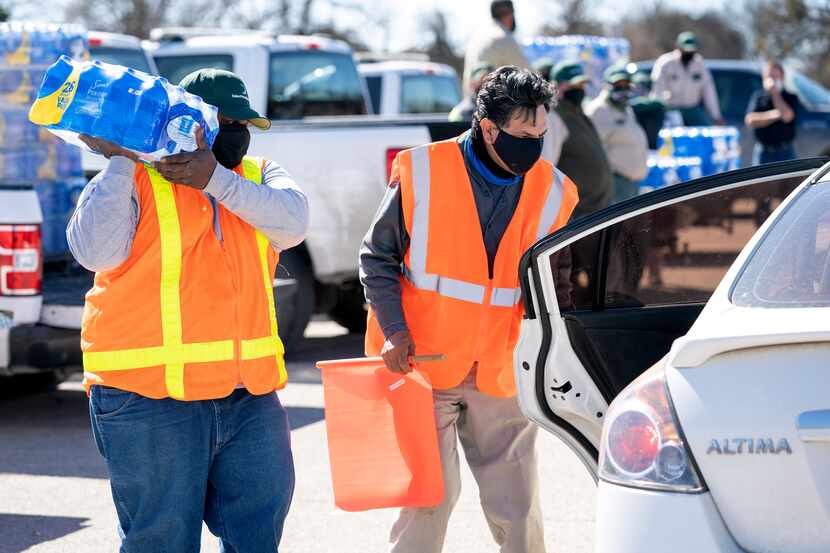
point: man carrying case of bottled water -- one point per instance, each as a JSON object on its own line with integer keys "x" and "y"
{"x": 181, "y": 350}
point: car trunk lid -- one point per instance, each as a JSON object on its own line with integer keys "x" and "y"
{"x": 756, "y": 413}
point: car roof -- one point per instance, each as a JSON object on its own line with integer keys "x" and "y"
{"x": 113, "y": 40}
{"x": 403, "y": 66}
{"x": 245, "y": 40}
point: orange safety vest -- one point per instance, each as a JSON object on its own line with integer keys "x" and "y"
{"x": 451, "y": 304}
{"x": 186, "y": 316}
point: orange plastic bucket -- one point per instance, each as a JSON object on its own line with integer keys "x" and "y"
{"x": 383, "y": 445}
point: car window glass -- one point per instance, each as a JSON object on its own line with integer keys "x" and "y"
{"x": 428, "y": 94}
{"x": 574, "y": 273}
{"x": 734, "y": 91}
{"x": 811, "y": 93}
{"x": 314, "y": 83}
{"x": 128, "y": 57}
{"x": 679, "y": 253}
{"x": 175, "y": 68}
{"x": 374, "y": 84}
{"x": 791, "y": 267}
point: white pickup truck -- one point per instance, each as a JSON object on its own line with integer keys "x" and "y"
{"x": 310, "y": 88}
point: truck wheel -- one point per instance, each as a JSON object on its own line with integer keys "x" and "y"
{"x": 294, "y": 293}
{"x": 349, "y": 312}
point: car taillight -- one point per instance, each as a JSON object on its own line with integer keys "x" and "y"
{"x": 20, "y": 260}
{"x": 642, "y": 445}
{"x": 391, "y": 153}
{"x": 95, "y": 42}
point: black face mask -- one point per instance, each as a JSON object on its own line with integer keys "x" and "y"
{"x": 574, "y": 95}
{"x": 231, "y": 144}
{"x": 687, "y": 57}
{"x": 621, "y": 96}
{"x": 519, "y": 154}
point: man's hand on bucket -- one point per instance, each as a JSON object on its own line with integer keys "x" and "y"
{"x": 192, "y": 169}
{"x": 396, "y": 352}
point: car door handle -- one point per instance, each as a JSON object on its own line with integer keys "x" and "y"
{"x": 814, "y": 426}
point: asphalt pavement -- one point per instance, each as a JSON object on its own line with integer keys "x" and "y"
{"x": 55, "y": 497}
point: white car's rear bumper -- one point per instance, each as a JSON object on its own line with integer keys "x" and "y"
{"x": 638, "y": 521}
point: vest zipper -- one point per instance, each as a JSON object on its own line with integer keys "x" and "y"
{"x": 237, "y": 346}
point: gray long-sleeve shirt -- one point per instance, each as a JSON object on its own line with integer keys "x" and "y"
{"x": 102, "y": 228}
{"x": 384, "y": 247}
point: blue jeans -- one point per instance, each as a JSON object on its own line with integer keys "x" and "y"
{"x": 783, "y": 152}
{"x": 175, "y": 463}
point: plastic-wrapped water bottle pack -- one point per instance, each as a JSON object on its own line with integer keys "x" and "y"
{"x": 30, "y": 155}
{"x": 140, "y": 112}
{"x": 595, "y": 52}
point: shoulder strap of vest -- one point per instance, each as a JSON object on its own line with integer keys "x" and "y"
{"x": 252, "y": 168}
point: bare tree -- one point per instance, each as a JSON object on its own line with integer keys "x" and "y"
{"x": 439, "y": 47}
{"x": 653, "y": 31}
{"x": 574, "y": 18}
{"x": 793, "y": 29}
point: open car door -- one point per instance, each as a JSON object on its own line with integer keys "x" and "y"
{"x": 606, "y": 296}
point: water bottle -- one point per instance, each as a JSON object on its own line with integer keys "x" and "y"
{"x": 137, "y": 111}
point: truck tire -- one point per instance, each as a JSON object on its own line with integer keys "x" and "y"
{"x": 349, "y": 311}
{"x": 295, "y": 301}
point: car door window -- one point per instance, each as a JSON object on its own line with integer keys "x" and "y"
{"x": 374, "y": 83}
{"x": 734, "y": 91}
{"x": 679, "y": 253}
{"x": 175, "y": 68}
{"x": 429, "y": 93}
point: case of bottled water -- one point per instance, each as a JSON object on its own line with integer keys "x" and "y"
{"x": 595, "y": 52}
{"x": 29, "y": 155}
{"x": 140, "y": 112}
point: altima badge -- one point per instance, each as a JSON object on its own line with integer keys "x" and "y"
{"x": 739, "y": 446}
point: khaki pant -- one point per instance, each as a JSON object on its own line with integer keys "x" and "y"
{"x": 500, "y": 446}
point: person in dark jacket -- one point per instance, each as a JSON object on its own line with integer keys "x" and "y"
{"x": 772, "y": 114}
{"x": 572, "y": 143}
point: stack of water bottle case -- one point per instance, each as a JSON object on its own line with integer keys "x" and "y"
{"x": 683, "y": 153}
{"x": 29, "y": 155}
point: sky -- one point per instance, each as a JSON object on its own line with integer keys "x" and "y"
{"x": 399, "y": 24}
{"x": 405, "y": 18}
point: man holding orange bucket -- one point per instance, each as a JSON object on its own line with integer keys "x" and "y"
{"x": 440, "y": 269}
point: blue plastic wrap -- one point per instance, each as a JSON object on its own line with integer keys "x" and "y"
{"x": 140, "y": 112}
{"x": 596, "y": 53}
{"x": 666, "y": 171}
{"x": 30, "y": 155}
{"x": 57, "y": 201}
{"x": 719, "y": 148}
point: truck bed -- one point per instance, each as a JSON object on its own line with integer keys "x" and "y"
{"x": 65, "y": 284}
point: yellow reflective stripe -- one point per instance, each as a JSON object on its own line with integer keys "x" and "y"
{"x": 140, "y": 358}
{"x": 171, "y": 273}
{"x": 268, "y": 345}
{"x": 260, "y": 347}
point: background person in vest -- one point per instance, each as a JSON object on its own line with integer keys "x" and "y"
{"x": 495, "y": 44}
{"x": 572, "y": 143}
{"x": 181, "y": 352}
{"x": 683, "y": 83}
{"x": 772, "y": 115}
{"x": 625, "y": 141}
{"x": 457, "y": 217}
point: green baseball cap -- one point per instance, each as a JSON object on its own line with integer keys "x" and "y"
{"x": 641, "y": 78}
{"x": 227, "y": 92}
{"x": 687, "y": 41}
{"x": 616, "y": 73}
{"x": 570, "y": 72}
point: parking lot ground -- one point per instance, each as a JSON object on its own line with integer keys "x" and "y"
{"x": 55, "y": 498}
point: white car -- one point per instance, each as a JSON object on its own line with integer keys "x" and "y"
{"x": 707, "y": 428}
{"x": 411, "y": 87}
